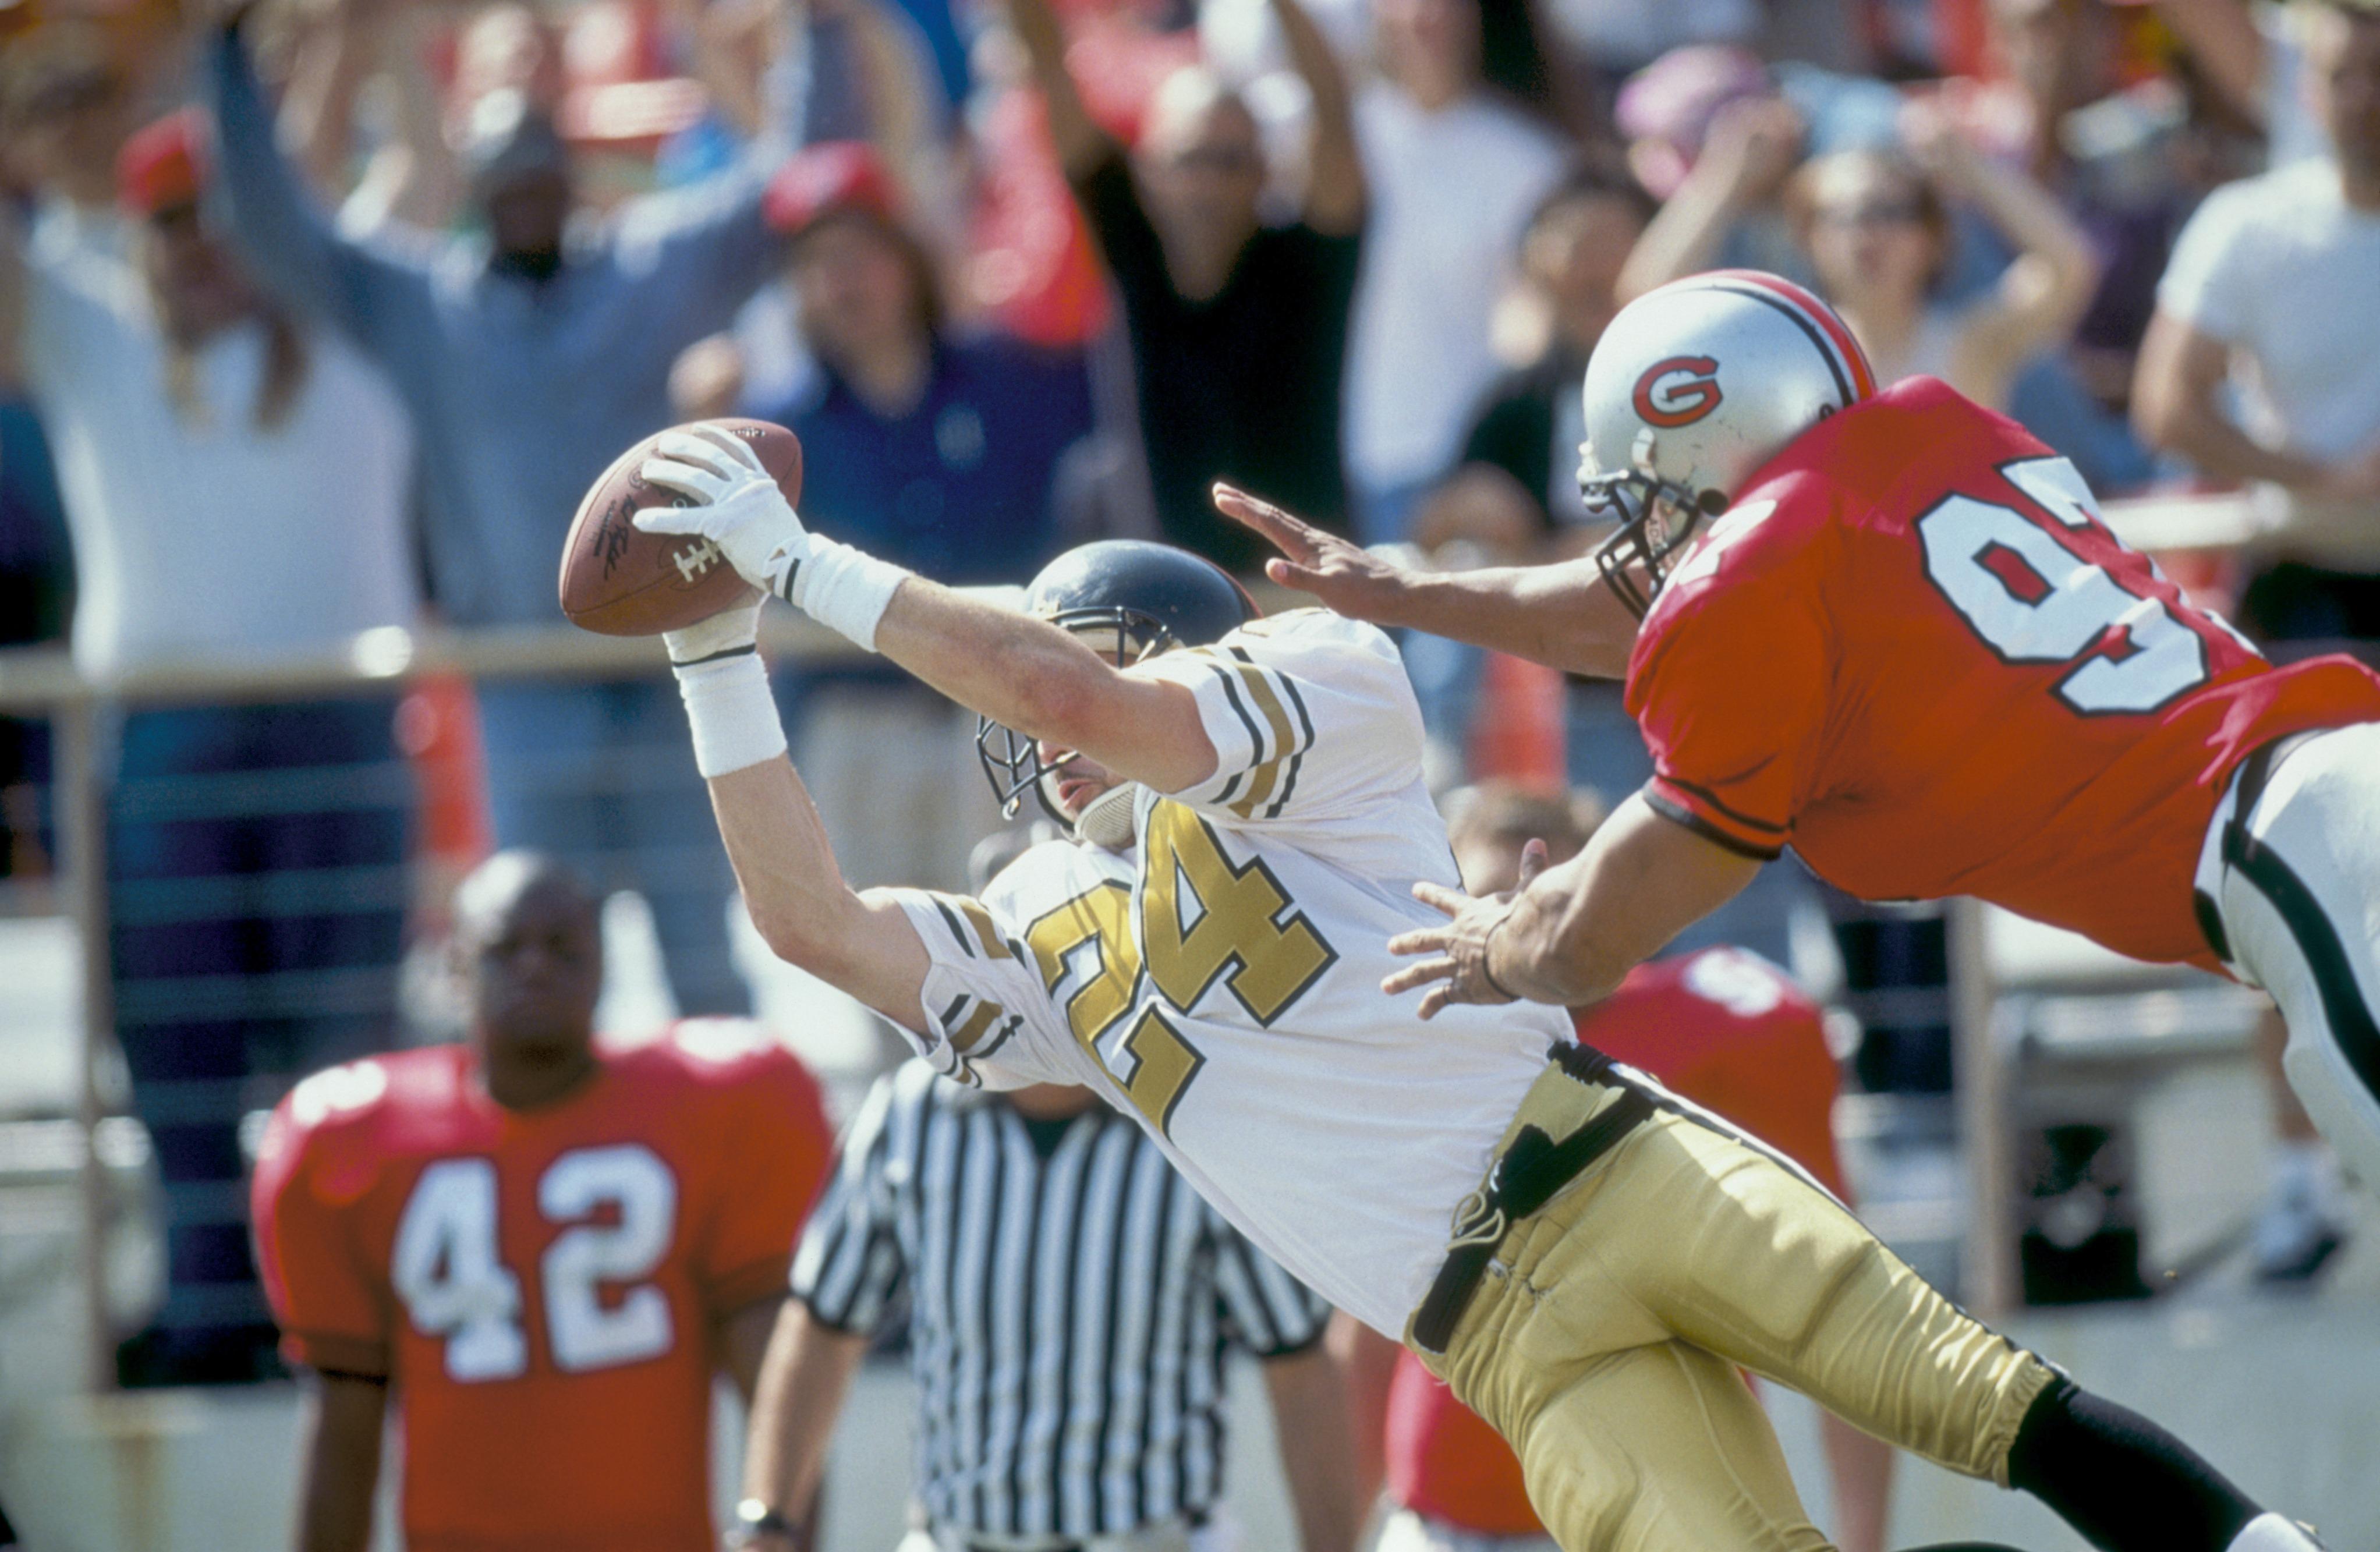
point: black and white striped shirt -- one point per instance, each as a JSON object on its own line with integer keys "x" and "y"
{"x": 1069, "y": 1315}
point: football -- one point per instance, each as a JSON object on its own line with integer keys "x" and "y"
{"x": 619, "y": 580}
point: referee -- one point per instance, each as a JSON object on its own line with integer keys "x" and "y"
{"x": 1071, "y": 1299}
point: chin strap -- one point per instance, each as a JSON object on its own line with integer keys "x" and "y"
{"x": 1106, "y": 820}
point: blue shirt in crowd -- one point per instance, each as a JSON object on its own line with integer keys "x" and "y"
{"x": 522, "y": 391}
{"x": 960, "y": 487}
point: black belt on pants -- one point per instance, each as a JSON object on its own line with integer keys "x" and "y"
{"x": 1525, "y": 1177}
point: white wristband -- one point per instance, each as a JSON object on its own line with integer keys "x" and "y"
{"x": 731, "y": 713}
{"x": 842, "y": 588}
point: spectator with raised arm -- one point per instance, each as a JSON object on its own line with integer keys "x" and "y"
{"x": 1460, "y": 142}
{"x": 1875, "y": 227}
{"x": 2270, "y": 297}
{"x": 1238, "y": 329}
{"x": 528, "y": 360}
{"x": 235, "y": 482}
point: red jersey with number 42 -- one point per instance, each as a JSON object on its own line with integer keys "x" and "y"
{"x": 539, "y": 1286}
{"x": 1913, "y": 651}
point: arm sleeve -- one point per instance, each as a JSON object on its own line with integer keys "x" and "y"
{"x": 1265, "y": 1310}
{"x": 1730, "y": 685}
{"x": 332, "y": 1309}
{"x": 989, "y": 1019}
{"x": 777, "y": 1163}
{"x": 1311, "y": 716}
{"x": 2210, "y": 280}
{"x": 371, "y": 292}
{"x": 848, "y": 1269}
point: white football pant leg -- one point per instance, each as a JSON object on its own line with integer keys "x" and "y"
{"x": 2300, "y": 907}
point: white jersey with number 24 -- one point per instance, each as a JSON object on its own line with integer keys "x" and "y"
{"x": 1222, "y": 980}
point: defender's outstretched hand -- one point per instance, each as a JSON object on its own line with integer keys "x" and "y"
{"x": 1346, "y": 577}
{"x": 736, "y": 504}
{"x": 1460, "y": 949}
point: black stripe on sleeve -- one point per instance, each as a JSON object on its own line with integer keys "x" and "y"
{"x": 1288, "y": 786}
{"x": 1768, "y": 826}
{"x": 1297, "y": 703}
{"x": 1256, "y": 755}
{"x": 950, "y": 918}
{"x": 1672, "y": 809}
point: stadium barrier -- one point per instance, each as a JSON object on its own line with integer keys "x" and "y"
{"x": 40, "y": 683}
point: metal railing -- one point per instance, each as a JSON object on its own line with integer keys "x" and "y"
{"x": 40, "y": 683}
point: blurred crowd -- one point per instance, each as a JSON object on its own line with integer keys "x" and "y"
{"x": 318, "y": 316}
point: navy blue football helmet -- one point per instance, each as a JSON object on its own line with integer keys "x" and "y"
{"x": 1132, "y": 600}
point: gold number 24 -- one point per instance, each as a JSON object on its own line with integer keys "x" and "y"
{"x": 1233, "y": 930}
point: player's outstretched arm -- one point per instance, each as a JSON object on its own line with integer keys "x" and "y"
{"x": 861, "y": 944}
{"x": 340, "y": 1471}
{"x": 1024, "y": 673}
{"x": 1570, "y": 933}
{"x": 1561, "y": 615}
{"x": 803, "y": 1381}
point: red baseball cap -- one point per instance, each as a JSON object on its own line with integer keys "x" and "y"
{"x": 825, "y": 179}
{"x": 164, "y": 165}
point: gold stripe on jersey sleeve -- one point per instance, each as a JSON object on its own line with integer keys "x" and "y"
{"x": 972, "y": 1027}
{"x": 1260, "y": 782}
{"x": 1276, "y": 716}
{"x": 980, "y": 919}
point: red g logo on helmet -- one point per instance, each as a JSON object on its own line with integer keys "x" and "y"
{"x": 1678, "y": 392}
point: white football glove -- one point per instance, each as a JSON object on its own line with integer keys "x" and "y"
{"x": 736, "y": 505}
{"x": 739, "y": 507}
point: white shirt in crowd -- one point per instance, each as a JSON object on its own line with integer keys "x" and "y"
{"x": 214, "y": 536}
{"x": 1450, "y": 193}
{"x": 2284, "y": 270}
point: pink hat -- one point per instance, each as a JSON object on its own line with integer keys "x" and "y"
{"x": 823, "y": 179}
{"x": 164, "y": 165}
{"x": 1672, "y": 102}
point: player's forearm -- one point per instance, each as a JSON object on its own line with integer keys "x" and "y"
{"x": 798, "y": 901}
{"x": 1578, "y": 928}
{"x": 804, "y": 1379}
{"x": 1029, "y": 675}
{"x": 1561, "y": 615}
{"x": 341, "y": 1470}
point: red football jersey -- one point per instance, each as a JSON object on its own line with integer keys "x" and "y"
{"x": 539, "y": 1286}
{"x": 1912, "y": 651}
{"x": 1729, "y": 1031}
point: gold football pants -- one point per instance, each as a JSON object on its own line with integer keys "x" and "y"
{"x": 1605, "y": 1341}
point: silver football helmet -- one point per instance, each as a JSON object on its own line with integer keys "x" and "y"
{"x": 1691, "y": 388}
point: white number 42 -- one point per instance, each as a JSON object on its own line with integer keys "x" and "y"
{"x": 452, "y": 1282}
